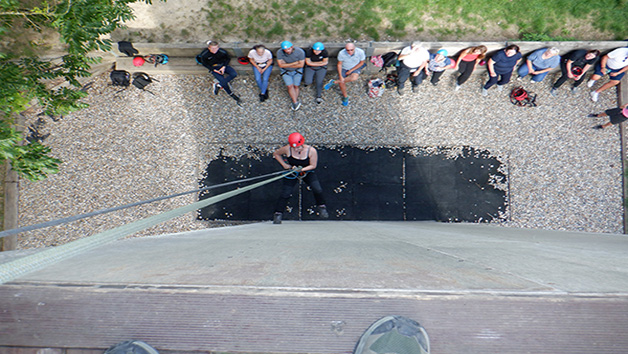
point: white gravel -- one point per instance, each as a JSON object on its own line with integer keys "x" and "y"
{"x": 132, "y": 146}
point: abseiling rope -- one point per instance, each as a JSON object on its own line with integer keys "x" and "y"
{"x": 56, "y": 222}
{"x": 27, "y": 264}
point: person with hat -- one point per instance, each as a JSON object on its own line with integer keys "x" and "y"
{"x": 217, "y": 60}
{"x": 436, "y": 66}
{"x": 262, "y": 61}
{"x": 303, "y": 159}
{"x": 575, "y": 67}
{"x": 412, "y": 60}
{"x": 291, "y": 60}
{"x": 351, "y": 62}
{"x": 615, "y": 115}
{"x": 316, "y": 59}
{"x": 539, "y": 63}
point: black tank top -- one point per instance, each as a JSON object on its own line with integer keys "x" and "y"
{"x": 297, "y": 162}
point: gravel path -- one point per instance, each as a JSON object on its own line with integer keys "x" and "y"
{"x": 131, "y": 146}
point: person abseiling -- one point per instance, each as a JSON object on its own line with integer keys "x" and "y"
{"x": 297, "y": 155}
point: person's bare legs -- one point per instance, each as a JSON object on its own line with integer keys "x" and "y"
{"x": 293, "y": 91}
{"x": 608, "y": 85}
{"x": 343, "y": 84}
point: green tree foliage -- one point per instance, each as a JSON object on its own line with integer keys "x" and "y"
{"x": 27, "y": 28}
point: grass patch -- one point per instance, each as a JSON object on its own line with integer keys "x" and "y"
{"x": 368, "y": 19}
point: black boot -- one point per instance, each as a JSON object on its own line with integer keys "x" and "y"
{"x": 236, "y": 98}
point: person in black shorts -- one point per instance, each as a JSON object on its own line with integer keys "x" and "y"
{"x": 616, "y": 116}
{"x": 297, "y": 155}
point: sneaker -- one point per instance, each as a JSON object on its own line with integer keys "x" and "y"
{"x": 394, "y": 334}
{"x": 553, "y": 92}
{"x": 484, "y": 92}
{"x": 329, "y": 84}
{"x": 457, "y": 87}
{"x": 415, "y": 88}
{"x": 296, "y": 105}
{"x": 322, "y": 211}
{"x": 574, "y": 89}
{"x": 592, "y": 115}
{"x": 519, "y": 78}
{"x": 594, "y": 96}
{"x": 598, "y": 127}
{"x": 345, "y": 101}
{"x": 262, "y": 98}
{"x": 319, "y": 100}
{"x": 217, "y": 88}
{"x": 237, "y": 99}
{"x": 435, "y": 83}
{"x": 590, "y": 83}
{"x": 534, "y": 82}
{"x": 400, "y": 91}
{"x": 500, "y": 88}
{"x": 277, "y": 218}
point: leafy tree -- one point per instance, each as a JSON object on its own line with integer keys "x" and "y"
{"x": 27, "y": 29}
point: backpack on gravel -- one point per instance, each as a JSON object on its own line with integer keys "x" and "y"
{"x": 141, "y": 80}
{"x": 120, "y": 78}
{"x": 376, "y": 88}
{"x": 391, "y": 80}
{"x": 520, "y": 97}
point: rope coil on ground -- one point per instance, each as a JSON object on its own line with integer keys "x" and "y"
{"x": 27, "y": 264}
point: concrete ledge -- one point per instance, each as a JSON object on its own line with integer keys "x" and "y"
{"x": 182, "y": 56}
{"x": 237, "y": 49}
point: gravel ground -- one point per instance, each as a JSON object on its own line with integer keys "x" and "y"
{"x": 132, "y": 146}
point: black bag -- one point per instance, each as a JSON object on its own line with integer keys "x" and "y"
{"x": 141, "y": 80}
{"x": 390, "y": 60}
{"x": 120, "y": 78}
{"x": 391, "y": 80}
{"x": 127, "y": 48}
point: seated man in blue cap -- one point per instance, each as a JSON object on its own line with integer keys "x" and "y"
{"x": 291, "y": 61}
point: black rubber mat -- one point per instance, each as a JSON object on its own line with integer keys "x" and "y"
{"x": 372, "y": 184}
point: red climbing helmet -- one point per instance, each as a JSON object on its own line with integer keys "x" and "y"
{"x": 296, "y": 139}
{"x": 138, "y": 61}
{"x": 576, "y": 70}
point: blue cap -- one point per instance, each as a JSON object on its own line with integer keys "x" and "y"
{"x": 443, "y": 52}
{"x": 286, "y": 45}
{"x": 318, "y": 46}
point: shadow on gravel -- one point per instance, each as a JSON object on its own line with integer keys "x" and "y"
{"x": 372, "y": 184}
